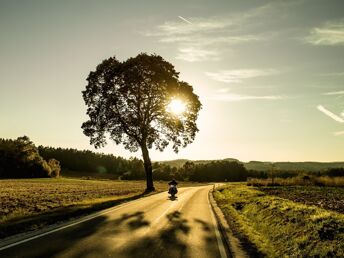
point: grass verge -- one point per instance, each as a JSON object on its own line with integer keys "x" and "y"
{"x": 282, "y": 228}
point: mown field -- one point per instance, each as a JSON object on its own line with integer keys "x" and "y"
{"x": 292, "y": 226}
{"x": 28, "y": 204}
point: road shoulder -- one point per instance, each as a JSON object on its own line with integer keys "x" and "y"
{"x": 233, "y": 244}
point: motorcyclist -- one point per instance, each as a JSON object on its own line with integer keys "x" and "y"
{"x": 172, "y": 187}
{"x": 173, "y": 182}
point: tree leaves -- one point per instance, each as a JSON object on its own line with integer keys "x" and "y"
{"x": 127, "y": 102}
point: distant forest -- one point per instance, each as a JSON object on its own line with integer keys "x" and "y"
{"x": 20, "y": 158}
{"x": 132, "y": 169}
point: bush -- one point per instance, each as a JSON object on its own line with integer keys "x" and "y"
{"x": 55, "y": 167}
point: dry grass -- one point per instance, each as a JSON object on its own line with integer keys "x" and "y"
{"x": 282, "y": 228}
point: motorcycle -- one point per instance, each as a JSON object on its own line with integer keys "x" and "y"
{"x": 172, "y": 190}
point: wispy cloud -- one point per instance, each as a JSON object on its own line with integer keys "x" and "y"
{"x": 215, "y": 33}
{"x": 330, "y": 114}
{"x": 199, "y": 40}
{"x": 183, "y": 19}
{"x": 194, "y": 54}
{"x": 341, "y": 92}
{"x": 339, "y": 133}
{"x": 232, "y": 97}
{"x": 330, "y": 34}
{"x": 237, "y": 76}
{"x": 333, "y": 74}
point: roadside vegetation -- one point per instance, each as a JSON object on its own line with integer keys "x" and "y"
{"x": 279, "y": 227}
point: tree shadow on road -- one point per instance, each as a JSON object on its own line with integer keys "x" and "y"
{"x": 166, "y": 243}
{"x": 99, "y": 238}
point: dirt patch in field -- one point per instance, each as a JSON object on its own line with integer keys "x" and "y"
{"x": 330, "y": 198}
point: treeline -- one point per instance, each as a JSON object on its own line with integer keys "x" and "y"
{"x": 20, "y": 158}
{"x": 89, "y": 161}
{"x": 132, "y": 169}
{"x": 214, "y": 171}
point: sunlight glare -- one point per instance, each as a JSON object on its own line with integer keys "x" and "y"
{"x": 176, "y": 106}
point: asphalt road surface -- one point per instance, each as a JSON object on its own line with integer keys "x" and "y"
{"x": 154, "y": 226}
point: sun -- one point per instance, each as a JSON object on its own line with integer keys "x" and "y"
{"x": 176, "y": 106}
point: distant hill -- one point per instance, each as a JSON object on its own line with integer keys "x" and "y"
{"x": 293, "y": 166}
{"x": 180, "y": 162}
{"x": 307, "y": 166}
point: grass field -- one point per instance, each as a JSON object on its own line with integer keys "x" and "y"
{"x": 278, "y": 227}
{"x": 27, "y": 204}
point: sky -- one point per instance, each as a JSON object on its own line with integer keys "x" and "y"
{"x": 270, "y": 74}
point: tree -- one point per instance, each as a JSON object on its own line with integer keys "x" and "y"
{"x": 127, "y": 101}
{"x": 20, "y": 158}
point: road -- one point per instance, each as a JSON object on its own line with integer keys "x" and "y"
{"x": 154, "y": 226}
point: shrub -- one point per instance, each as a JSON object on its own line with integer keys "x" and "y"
{"x": 55, "y": 167}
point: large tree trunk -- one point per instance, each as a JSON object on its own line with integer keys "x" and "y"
{"x": 148, "y": 168}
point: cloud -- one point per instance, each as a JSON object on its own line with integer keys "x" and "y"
{"x": 330, "y": 114}
{"x": 237, "y": 76}
{"x": 200, "y": 40}
{"x": 214, "y": 33}
{"x": 183, "y": 19}
{"x": 201, "y": 37}
{"x": 330, "y": 34}
{"x": 198, "y": 25}
{"x": 334, "y": 93}
{"x": 232, "y": 97}
{"x": 193, "y": 54}
{"x": 333, "y": 74}
{"x": 338, "y": 133}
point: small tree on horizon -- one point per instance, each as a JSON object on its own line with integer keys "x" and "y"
{"x": 127, "y": 103}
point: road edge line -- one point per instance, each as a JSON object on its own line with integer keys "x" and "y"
{"x": 28, "y": 237}
{"x": 232, "y": 243}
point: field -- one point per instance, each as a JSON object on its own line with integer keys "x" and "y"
{"x": 271, "y": 226}
{"x": 330, "y": 198}
{"x": 298, "y": 180}
{"x": 27, "y": 204}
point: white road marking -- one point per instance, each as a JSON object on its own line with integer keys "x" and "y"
{"x": 217, "y": 233}
{"x": 87, "y": 218}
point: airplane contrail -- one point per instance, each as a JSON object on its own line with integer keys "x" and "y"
{"x": 182, "y": 18}
{"x": 330, "y": 114}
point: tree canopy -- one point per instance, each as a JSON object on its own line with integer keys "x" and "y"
{"x": 127, "y": 101}
{"x": 20, "y": 158}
